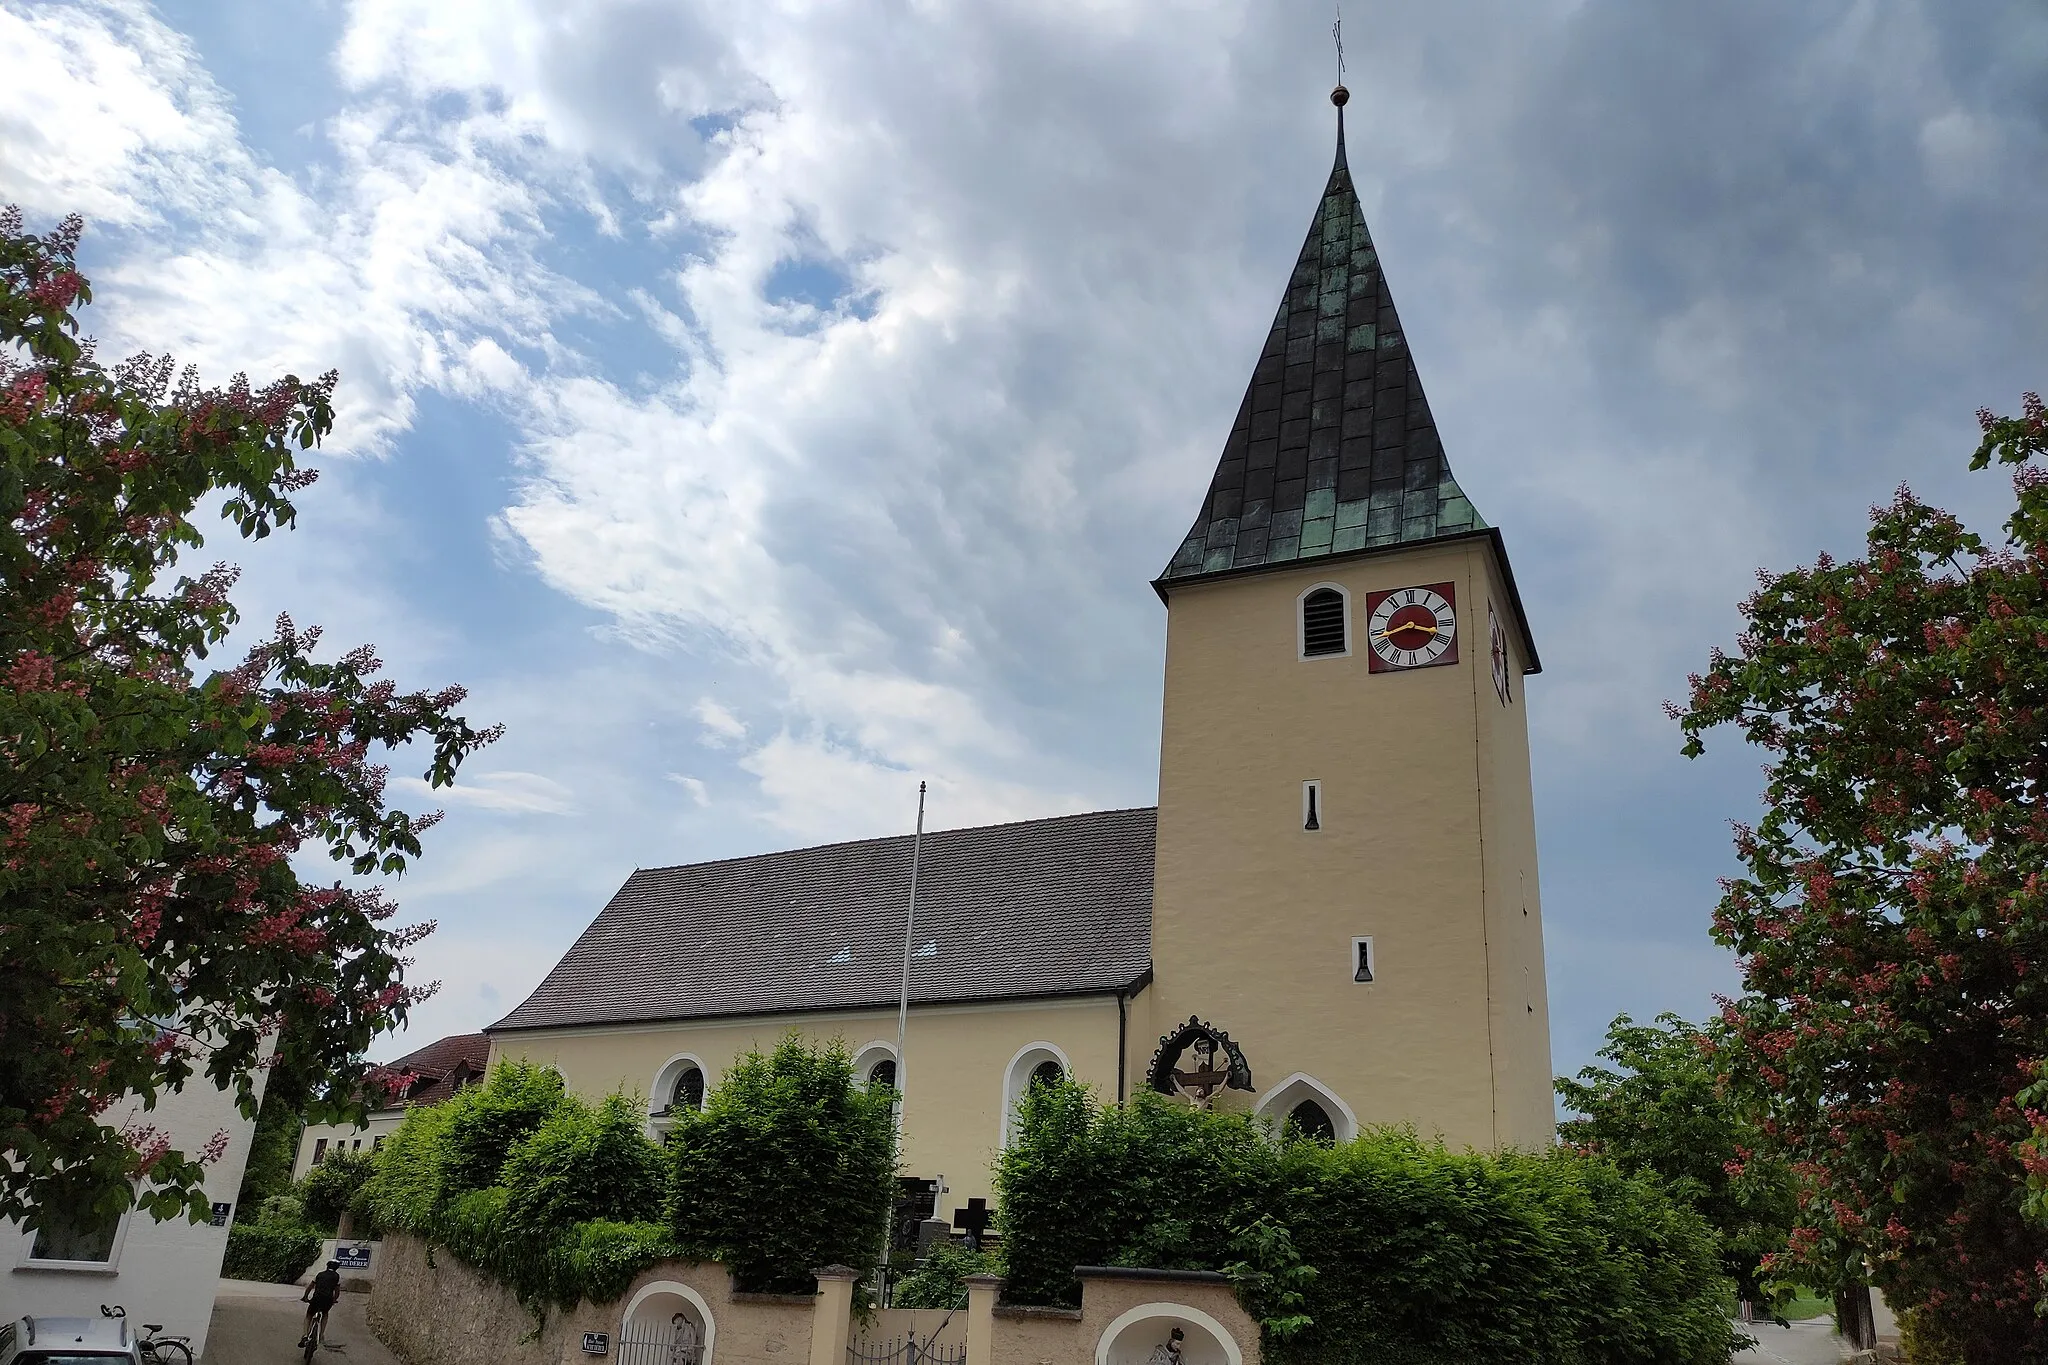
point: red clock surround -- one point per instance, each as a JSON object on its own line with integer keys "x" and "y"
{"x": 1411, "y": 626}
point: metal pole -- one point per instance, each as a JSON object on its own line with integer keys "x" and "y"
{"x": 902, "y": 1026}
{"x": 909, "y": 928}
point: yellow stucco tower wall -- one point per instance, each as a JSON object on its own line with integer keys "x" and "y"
{"x": 1427, "y": 845}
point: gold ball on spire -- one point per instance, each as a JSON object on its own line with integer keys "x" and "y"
{"x": 1340, "y": 97}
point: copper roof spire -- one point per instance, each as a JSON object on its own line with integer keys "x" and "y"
{"x": 1334, "y": 448}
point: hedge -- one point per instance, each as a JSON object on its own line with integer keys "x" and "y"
{"x": 277, "y": 1253}
{"x": 564, "y": 1201}
{"x": 1384, "y": 1249}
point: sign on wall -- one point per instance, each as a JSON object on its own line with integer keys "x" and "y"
{"x": 353, "y": 1256}
{"x": 597, "y": 1343}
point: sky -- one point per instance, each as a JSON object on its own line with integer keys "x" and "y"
{"x": 763, "y": 407}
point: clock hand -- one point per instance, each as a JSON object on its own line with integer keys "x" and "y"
{"x": 1412, "y": 625}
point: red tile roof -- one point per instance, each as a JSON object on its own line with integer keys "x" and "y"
{"x": 437, "y": 1070}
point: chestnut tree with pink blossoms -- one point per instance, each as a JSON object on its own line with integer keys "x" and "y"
{"x": 1892, "y": 917}
{"x": 154, "y": 932}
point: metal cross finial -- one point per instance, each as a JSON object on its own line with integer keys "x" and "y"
{"x": 1337, "y": 35}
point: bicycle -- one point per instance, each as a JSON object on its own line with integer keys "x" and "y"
{"x": 154, "y": 1348}
{"x": 315, "y": 1330}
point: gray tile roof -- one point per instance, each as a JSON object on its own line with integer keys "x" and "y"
{"x": 1043, "y": 907}
{"x": 1334, "y": 448}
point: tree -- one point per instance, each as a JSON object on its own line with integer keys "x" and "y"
{"x": 1892, "y": 917}
{"x": 1667, "y": 1114}
{"x": 152, "y": 923}
{"x": 790, "y": 1165}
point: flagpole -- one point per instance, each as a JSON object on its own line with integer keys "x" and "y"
{"x": 909, "y": 929}
{"x": 902, "y": 1027}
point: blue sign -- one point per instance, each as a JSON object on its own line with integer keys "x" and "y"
{"x": 355, "y": 1257}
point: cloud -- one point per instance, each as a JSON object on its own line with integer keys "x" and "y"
{"x": 514, "y": 793}
{"x": 699, "y": 793}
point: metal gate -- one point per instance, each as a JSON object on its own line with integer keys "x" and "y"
{"x": 906, "y": 1350}
{"x": 647, "y": 1343}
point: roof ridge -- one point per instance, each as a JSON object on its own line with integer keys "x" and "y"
{"x": 890, "y": 838}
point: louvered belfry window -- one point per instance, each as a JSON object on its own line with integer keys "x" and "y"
{"x": 1322, "y": 623}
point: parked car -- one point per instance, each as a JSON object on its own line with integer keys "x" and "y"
{"x": 68, "y": 1341}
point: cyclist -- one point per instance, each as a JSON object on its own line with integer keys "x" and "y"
{"x": 320, "y": 1296}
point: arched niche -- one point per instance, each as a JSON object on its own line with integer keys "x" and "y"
{"x": 1301, "y": 1088}
{"x": 675, "y": 1318}
{"x": 1138, "y": 1336}
{"x": 1033, "y": 1061}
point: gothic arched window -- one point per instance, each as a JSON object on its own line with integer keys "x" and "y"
{"x": 1322, "y": 623}
{"x": 1311, "y": 1122}
{"x": 689, "y": 1090}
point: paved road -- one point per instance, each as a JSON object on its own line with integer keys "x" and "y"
{"x": 1812, "y": 1342}
{"x": 257, "y": 1324}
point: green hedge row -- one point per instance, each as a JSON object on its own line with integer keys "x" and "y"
{"x": 277, "y": 1253}
{"x": 563, "y": 1200}
{"x": 1386, "y": 1249}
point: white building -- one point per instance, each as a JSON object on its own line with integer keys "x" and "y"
{"x": 160, "y": 1272}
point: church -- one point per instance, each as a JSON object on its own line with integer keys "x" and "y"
{"x": 1331, "y": 916}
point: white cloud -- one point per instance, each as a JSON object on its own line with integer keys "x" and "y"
{"x": 699, "y": 793}
{"x": 514, "y": 793}
{"x": 721, "y": 726}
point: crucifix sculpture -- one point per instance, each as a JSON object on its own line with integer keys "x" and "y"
{"x": 973, "y": 1220}
{"x": 1219, "y": 1064}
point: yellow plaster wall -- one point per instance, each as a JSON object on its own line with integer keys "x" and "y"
{"x": 1427, "y": 846}
{"x": 958, "y": 1057}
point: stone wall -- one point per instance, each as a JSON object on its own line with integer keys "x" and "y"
{"x": 445, "y": 1313}
{"x": 435, "y": 1310}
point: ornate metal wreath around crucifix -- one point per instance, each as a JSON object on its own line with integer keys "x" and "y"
{"x": 1202, "y": 1082}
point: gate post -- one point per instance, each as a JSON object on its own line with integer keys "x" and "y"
{"x": 832, "y": 1314}
{"x": 981, "y": 1318}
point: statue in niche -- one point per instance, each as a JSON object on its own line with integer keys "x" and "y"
{"x": 1218, "y": 1063}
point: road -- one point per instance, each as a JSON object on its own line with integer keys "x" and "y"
{"x": 257, "y": 1324}
{"x": 1812, "y": 1342}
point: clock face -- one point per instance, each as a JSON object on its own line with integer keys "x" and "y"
{"x": 1412, "y": 627}
{"x": 1497, "y": 641}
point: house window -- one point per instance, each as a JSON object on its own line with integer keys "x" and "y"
{"x": 1322, "y": 623}
{"x": 377, "y": 1144}
{"x": 883, "y": 1072}
{"x": 1362, "y": 962}
{"x": 1047, "y": 1073}
{"x": 319, "y": 1151}
{"x": 1309, "y": 1121}
{"x": 1312, "y": 805}
{"x": 1035, "y": 1065}
{"x": 86, "y": 1241}
{"x": 689, "y": 1090}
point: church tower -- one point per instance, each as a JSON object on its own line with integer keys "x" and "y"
{"x": 1346, "y": 877}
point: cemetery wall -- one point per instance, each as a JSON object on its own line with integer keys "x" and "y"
{"x": 447, "y": 1314}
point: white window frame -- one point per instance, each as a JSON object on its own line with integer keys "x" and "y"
{"x": 1017, "y": 1075}
{"x": 1276, "y": 1104}
{"x": 110, "y": 1266}
{"x": 867, "y": 1054}
{"x": 664, "y": 1087}
{"x": 1372, "y": 961}
{"x": 1301, "y": 653}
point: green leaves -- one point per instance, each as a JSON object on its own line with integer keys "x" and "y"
{"x": 1892, "y": 916}
{"x": 791, "y": 1119}
{"x": 1383, "y": 1248}
{"x": 149, "y": 816}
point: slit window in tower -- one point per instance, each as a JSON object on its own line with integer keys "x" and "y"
{"x": 1361, "y": 959}
{"x": 1322, "y": 624}
{"x": 1312, "y": 805}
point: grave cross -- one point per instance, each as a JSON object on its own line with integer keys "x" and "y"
{"x": 973, "y": 1220}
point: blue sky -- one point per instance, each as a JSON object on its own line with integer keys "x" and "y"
{"x": 761, "y": 407}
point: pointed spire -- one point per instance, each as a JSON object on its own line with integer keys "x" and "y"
{"x": 1334, "y": 448}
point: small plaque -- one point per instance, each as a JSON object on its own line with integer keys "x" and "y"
{"x": 356, "y": 1257}
{"x": 597, "y": 1343}
{"x": 220, "y": 1214}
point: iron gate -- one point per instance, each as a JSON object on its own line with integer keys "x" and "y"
{"x": 906, "y": 1350}
{"x": 646, "y": 1343}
